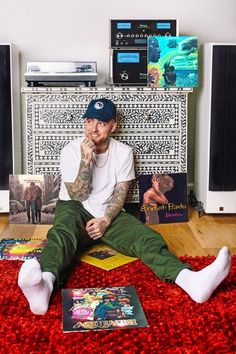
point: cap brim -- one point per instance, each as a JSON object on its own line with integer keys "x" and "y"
{"x": 97, "y": 116}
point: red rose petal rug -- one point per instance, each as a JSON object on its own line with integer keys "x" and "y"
{"x": 176, "y": 323}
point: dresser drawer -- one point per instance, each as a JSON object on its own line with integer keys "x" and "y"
{"x": 144, "y": 113}
{"x": 154, "y": 149}
{"x": 153, "y": 122}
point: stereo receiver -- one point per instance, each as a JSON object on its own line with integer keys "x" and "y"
{"x": 128, "y": 67}
{"x": 134, "y": 33}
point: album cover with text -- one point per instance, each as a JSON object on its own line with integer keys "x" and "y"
{"x": 163, "y": 198}
{"x": 102, "y": 308}
{"x": 21, "y": 249}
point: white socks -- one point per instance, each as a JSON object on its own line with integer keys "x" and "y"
{"x": 200, "y": 285}
{"x": 36, "y": 285}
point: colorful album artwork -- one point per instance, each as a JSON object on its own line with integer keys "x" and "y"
{"x": 33, "y": 198}
{"x": 163, "y": 198}
{"x": 102, "y": 308}
{"x": 21, "y": 249}
{"x": 172, "y": 61}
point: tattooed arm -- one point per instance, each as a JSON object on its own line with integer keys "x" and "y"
{"x": 79, "y": 189}
{"x": 117, "y": 201}
{"x": 96, "y": 227}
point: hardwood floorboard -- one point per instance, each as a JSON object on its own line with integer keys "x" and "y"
{"x": 21, "y": 230}
{"x": 200, "y": 236}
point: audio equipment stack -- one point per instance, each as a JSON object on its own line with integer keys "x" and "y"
{"x": 128, "y": 48}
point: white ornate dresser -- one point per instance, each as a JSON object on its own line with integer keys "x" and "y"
{"x": 152, "y": 121}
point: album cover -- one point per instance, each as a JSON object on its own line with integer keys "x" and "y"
{"x": 104, "y": 257}
{"x": 172, "y": 61}
{"x": 102, "y": 308}
{"x": 21, "y": 249}
{"x": 163, "y": 198}
{"x": 33, "y": 198}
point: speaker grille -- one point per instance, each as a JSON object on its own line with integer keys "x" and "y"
{"x": 6, "y": 161}
{"x": 222, "y": 172}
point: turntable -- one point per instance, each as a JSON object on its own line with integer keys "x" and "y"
{"x": 61, "y": 72}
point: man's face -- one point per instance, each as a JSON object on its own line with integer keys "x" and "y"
{"x": 99, "y": 131}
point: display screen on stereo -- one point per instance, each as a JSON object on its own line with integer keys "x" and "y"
{"x": 123, "y": 25}
{"x": 163, "y": 25}
{"x": 128, "y": 57}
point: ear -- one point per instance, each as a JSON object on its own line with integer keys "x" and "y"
{"x": 114, "y": 126}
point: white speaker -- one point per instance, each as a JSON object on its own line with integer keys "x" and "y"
{"x": 10, "y": 126}
{"x": 215, "y": 159}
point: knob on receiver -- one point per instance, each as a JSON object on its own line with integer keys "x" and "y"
{"x": 124, "y": 76}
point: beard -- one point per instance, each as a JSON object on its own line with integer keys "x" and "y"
{"x": 101, "y": 143}
{"x": 98, "y": 140}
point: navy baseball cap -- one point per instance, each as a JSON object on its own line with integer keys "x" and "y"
{"x": 101, "y": 109}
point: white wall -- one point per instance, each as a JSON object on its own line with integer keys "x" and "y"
{"x": 79, "y": 30}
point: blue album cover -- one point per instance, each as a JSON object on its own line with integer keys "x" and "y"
{"x": 172, "y": 61}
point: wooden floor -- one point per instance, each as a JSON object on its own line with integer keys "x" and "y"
{"x": 201, "y": 235}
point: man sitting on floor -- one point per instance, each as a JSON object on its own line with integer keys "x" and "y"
{"x": 96, "y": 174}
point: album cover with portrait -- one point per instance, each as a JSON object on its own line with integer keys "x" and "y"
{"x": 33, "y": 198}
{"x": 102, "y": 309}
{"x": 172, "y": 61}
{"x": 163, "y": 198}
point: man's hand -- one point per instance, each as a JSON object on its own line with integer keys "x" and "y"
{"x": 96, "y": 227}
{"x": 87, "y": 148}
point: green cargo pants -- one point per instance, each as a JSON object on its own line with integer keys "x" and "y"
{"x": 126, "y": 235}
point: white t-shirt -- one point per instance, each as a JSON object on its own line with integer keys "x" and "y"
{"x": 117, "y": 166}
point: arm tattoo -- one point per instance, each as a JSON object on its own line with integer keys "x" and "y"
{"x": 79, "y": 189}
{"x": 117, "y": 201}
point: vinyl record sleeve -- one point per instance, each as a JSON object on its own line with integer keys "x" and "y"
{"x": 163, "y": 198}
{"x": 21, "y": 249}
{"x": 102, "y": 309}
{"x": 172, "y": 61}
{"x": 104, "y": 257}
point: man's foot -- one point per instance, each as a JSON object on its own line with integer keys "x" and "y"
{"x": 200, "y": 285}
{"x": 36, "y": 286}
